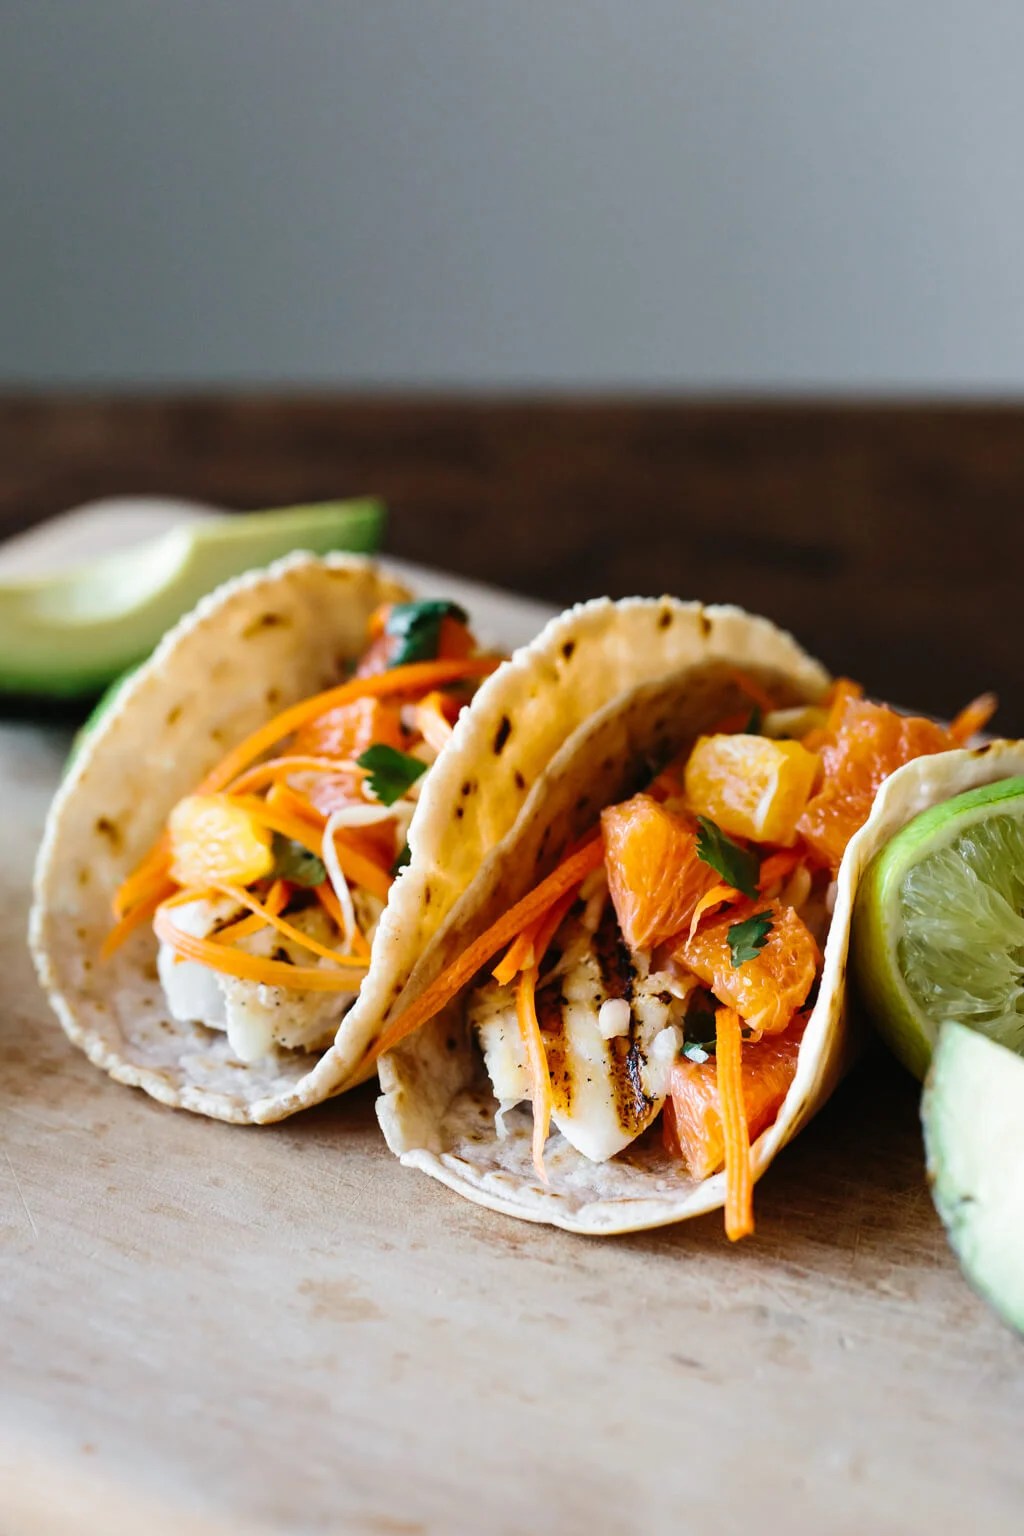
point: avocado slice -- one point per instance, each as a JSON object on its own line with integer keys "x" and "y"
{"x": 71, "y": 634}
{"x": 973, "y": 1117}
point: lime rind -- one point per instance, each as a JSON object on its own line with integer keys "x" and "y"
{"x": 938, "y": 933}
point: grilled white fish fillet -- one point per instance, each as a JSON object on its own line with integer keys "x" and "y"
{"x": 606, "y": 1090}
{"x": 258, "y": 1018}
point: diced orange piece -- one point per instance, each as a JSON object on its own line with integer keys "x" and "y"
{"x": 869, "y": 743}
{"x": 214, "y": 840}
{"x": 768, "y": 989}
{"x": 654, "y": 875}
{"x": 345, "y": 733}
{"x": 351, "y": 728}
{"x": 692, "y": 1123}
{"x": 751, "y": 786}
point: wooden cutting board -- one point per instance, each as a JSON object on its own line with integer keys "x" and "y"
{"x": 278, "y": 1330}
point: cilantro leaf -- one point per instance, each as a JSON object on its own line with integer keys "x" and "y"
{"x": 296, "y": 864}
{"x": 739, "y": 867}
{"x": 755, "y": 724}
{"x": 748, "y": 938}
{"x": 417, "y": 628}
{"x": 390, "y": 772}
{"x": 402, "y": 860}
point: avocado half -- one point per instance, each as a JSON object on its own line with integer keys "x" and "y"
{"x": 973, "y": 1117}
{"x": 72, "y": 634}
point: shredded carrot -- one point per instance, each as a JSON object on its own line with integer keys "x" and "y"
{"x": 329, "y": 901}
{"x": 739, "y": 1178}
{"x": 537, "y": 1064}
{"x": 973, "y": 718}
{"x": 432, "y": 722}
{"x": 143, "y": 880}
{"x": 415, "y": 678}
{"x": 282, "y": 797}
{"x": 532, "y": 944}
{"x": 237, "y": 962}
{"x": 245, "y": 899}
{"x": 713, "y": 898}
{"x": 279, "y": 767}
{"x": 753, "y": 690}
{"x": 277, "y": 900}
{"x": 546, "y": 931}
{"x": 355, "y": 866}
{"x": 569, "y": 874}
{"x": 140, "y": 913}
{"x": 777, "y": 866}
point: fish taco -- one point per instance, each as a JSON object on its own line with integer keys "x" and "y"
{"x": 219, "y": 888}
{"x": 641, "y": 998}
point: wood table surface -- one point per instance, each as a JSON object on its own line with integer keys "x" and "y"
{"x": 278, "y": 1331}
{"x": 889, "y": 538}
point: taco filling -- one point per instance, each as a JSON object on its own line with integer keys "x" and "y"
{"x": 660, "y": 979}
{"x": 267, "y": 885}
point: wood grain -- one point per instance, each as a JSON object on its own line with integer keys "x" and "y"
{"x": 889, "y": 538}
{"x": 264, "y": 1332}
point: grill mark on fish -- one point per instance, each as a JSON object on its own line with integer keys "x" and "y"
{"x": 625, "y": 1059}
{"x": 634, "y": 1108}
{"x": 614, "y": 961}
{"x": 550, "y": 1017}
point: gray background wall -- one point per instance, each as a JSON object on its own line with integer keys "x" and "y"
{"x": 656, "y": 193}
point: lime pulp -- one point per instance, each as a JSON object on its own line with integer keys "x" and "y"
{"x": 939, "y": 924}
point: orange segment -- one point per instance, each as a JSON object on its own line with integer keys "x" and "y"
{"x": 345, "y": 733}
{"x": 693, "y": 1121}
{"x": 869, "y": 743}
{"x": 654, "y": 875}
{"x": 751, "y": 786}
{"x": 213, "y": 840}
{"x": 767, "y": 990}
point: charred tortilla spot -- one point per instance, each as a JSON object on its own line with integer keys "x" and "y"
{"x": 272, "y": 696}
{"x": 567, "y": 649}
{"x": 110, "y": 830}
{"x": 502, "y": 735}
{"x": 427, "y": 895}
{"x": 705, "y": 623}
{"x": 265, "y": 621}
{"x": 173, "y": 715}
{"x": 468, "y": 787}
{"x": 980, "y": 751}
{"x": 520, "y": 782}
{"x": 460, "y": 811}
{"x": 665, "y": 618}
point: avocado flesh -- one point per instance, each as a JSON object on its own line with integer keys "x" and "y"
{"x": 72, "y": 634}
{"x": 973, "y": 1117}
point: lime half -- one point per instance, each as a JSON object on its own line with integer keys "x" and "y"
{"x": 938, "y": 924}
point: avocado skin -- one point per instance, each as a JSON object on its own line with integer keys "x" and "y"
{"x": 972, "y": 1114}
{"x": 45, "y": 655}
